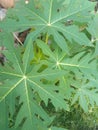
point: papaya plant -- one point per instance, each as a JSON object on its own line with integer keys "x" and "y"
{"x": 57, "y": 63}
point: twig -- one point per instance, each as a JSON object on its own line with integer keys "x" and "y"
{"x": 15, "y": 36}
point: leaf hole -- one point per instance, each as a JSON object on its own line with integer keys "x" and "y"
{"x": 26, "y": 1}
{"x": 57, "y": 91}
{"x": 57, "y": 83}
{"x": 2, "y": 59}
{"x": 39, "y": 117}
{"x": 44, "y": 81}
{"x": 58, "y": 10}
{"x": 69, "y": 22}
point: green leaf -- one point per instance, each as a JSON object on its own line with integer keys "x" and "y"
{"x": 93, "y": 28}
{"x": 55, "y": 128}
{"x": 3, "y": 115}
{"x": 54, "y": 68}
{"x": 53, "y": 21}
{"x": 87, "y": 95}
{"x": 83, "y": 102}
{"x": 28, "y": 56}
{"x": 25, "y": 80}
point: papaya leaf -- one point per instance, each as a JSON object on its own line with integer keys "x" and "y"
{"x": 55, "y": 21}
{"x": 21, "y": 78}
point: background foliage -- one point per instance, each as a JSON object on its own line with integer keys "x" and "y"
{"x": 50, "y": 82}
